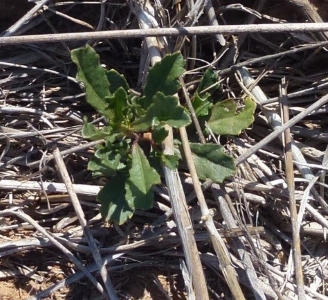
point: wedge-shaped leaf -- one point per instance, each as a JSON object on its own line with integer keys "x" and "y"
{"x": 225, "y": 120}
{"x": 208, "y": 83}
{"x": 202, "y": 100}
{"x": 211, "y": 162}
{"x": 105, "y": 163}
{"x": 139, "y": 185}
{"x": 114, "y": 207}
{"x": 164, "y": 110}
{"x": 167, "y": 110}
{"x": 118, "y": 103}
{"x": 202, "y": 105}
{"x": 171, "y": 161}
{"x": 90, "y": 131}
{"x": 164, "y": 77}
{"x": 136, "y": 105}
{"x": 109, "y": 158}
{"x": 116, "y": 81}
{"x": 93, "y": 77}
{"x": 155, "y": 162}
{"x": 159, "y": 134}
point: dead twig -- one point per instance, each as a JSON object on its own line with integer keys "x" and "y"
{"x": 80, "y": 214}
{"x": 296, "y": 246}
{"x": 20, "y": 214}
{"x": 173, "y": 182}
{"x": 277, "y": 132}
{"x": 217, "y": 242}
{"x": 159, "y": 32}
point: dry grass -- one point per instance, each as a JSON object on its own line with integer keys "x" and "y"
{"x": 42, "y": 107}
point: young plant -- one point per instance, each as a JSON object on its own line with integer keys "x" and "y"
{"x": 130, "y": 153}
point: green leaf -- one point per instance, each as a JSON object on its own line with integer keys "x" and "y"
{"x": 202, "y": 100}
{"x": 109, "y": 158}
{"x": 136, "y": 108}
{"x": 118, "y": 102}
{"x": 207, "y": 82}
{"x": 164, "y": 110}
{"x": 164, "y": 77}
{"x": 155, "y": 161}
{"x": 93, "y": 77}
{"x": 105, "y": 163}
{"x": 170, "y": 161}
{"x": 159, "y": 134}
{"x": 225, "y": 120}
{"x": 139, "y": 185}
{"x": 202, "y": 105}
{"x": 89, "y": 131}
{"x": 167, "y": 110}
{"x": 114, "y": 207}
{"x": 211, "y": 162}
{"x": 116, "y": 81}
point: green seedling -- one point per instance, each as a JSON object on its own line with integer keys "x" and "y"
{"x": 130, "y": 155}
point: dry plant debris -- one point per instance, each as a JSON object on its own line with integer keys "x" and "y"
{"x": 271, "y": 216}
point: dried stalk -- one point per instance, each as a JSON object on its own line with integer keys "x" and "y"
{"x": 296, "y": 245}
{"x": 181, "y": 31}
{"x": 48, "y": 187}
{"x": 230, "y": 56}
{"x": 173, "y": 182}
{"x": 269, "y": 57}
{"x": 80, "y": 214}
{"x": 244, "y": 256}
{"x": 275, "y": 121}
{"x": 209, "y": 10}
{"x": 280, "y": 278}
{"x": 25, "y": 19}
{"x": 217, "y": 242}
{"x": 20, "y": 214}
{"x": 282, "y": 128}
{"x": 309, "y": 12}
{"x": 75, "y": 277}
{"x": 192, "y": 112}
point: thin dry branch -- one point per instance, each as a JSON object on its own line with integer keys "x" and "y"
{"x": 25, "y": 18}
{"x": 277, "y": 132}
{"x": 296, "y": 246}
{"x": 48, "y": 187}
{"x": 81, "y": 216}
{"x": 158, "y": 32}
{"x": 20, "y": 214}
{"x": 309, "y": 12}
{"x": 244, "y": 256}
{"x": 217, "y": 242}
{"x": 173, "y": 182}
